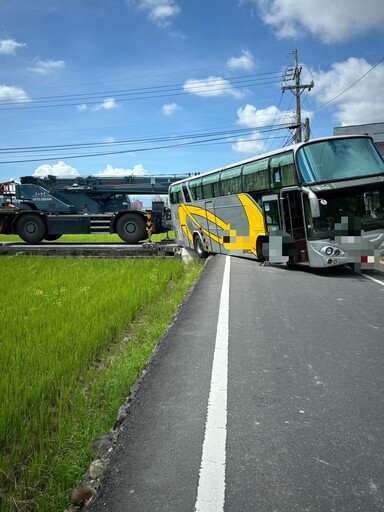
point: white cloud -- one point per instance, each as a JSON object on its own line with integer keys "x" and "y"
{"x": 9, "y": 46}
{"x": 245, "y": 61}
{"x": 159, "y": 11}
{"x": 107, "y": 104}
{"x": 120, "y": 171}
{"x": 46, "y": 67}
{"x": 332, "y": 21}
{"x": 59, "y": 169}
{"x": 360, "y": 104}
{"x": 212, "y": 86}
{"x": 170, "y": 108}
{"x": 256, "y": 118}
{"x": 253, "y": 144}
{"x": 10, "y": 93}
{"x": 63, "y": 169}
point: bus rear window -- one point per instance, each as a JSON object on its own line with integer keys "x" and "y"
{"x": 175, "y": 194}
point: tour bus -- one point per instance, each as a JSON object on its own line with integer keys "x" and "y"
{"x": 318, "y": 203}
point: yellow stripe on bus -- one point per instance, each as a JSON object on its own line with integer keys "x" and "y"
{"x": 243, "y": 243}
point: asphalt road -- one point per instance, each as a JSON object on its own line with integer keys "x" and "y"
{"x": 295, "y": 417}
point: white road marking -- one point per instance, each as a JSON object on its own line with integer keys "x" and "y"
{"x": 373, "y": 279}
{"x": 211, "y": 488}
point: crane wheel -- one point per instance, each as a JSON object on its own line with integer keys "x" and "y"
{"x": 31, "y": 228}
{"x": 52, "y": 238}
{"x": 131, "y": 228}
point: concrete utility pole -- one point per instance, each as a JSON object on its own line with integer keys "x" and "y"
{"x": 297, "y": 90}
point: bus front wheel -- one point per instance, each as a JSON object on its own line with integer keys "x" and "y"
{"x": 262, "y": 248}
{"x": 199, "y": 248}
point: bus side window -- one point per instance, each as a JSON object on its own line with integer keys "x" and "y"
{"x": 283, "y": 170}
{"x": 216, "y": 186}
{"x": 186, "y": 193}
{"x": 276, "y": 173}
{"x": 256, "y": 176}
{"x": 230, "y": 181}
{"x": 195, "y": 188}
{"x": 208, "y": 184}
{"x": 289, "y": 175}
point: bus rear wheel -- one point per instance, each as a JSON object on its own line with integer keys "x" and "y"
{"x": 31, "y": 228}
{"x": 131, "y": 228}
{"x": 199, "y": 248}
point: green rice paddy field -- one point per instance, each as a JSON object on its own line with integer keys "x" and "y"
{"x": 75, "y": 335}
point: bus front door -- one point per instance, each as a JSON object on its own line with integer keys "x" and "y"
{"x": 271, "y": 211}
{"x": 272, "y": 250}
{"x": 294, "y": 224}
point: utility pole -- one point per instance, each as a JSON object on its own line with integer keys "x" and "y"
{"x": 307, "y": 130}
{"x": 297, "y": 90}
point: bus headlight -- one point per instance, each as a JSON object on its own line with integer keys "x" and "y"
{"x": 328, "y": 251}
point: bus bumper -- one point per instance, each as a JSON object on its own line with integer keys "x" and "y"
{"x": 361, "y": 251}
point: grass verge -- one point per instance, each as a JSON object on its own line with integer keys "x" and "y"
{"x": 67, "y": 362}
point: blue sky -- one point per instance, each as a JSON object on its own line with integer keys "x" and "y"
{"x": 177, "y": 86}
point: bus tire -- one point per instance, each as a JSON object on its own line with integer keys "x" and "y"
{"x": 259, "y": 247}
{"x": 199, "y": 248}
{"x": 131, "y": 228}
{"x": 31, "y": 228}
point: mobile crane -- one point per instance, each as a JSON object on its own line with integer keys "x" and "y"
{"x": 44, "y": 208}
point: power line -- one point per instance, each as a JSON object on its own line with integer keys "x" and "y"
{"x": 273, "y": 122}
{"x": 192, "y": 135}
{"x": 199, "y": 87}
{"x": 140, "y": 77}
{"x": 349, "y": 87}
{"x": 181, "y": 141}
{"x": 212, "y": 81}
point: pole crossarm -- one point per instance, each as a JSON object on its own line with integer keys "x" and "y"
{"x": 294, "y": 87}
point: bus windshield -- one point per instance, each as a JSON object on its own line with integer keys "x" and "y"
{"x": 363, "y": 209}
{"x": 338, "y": 159}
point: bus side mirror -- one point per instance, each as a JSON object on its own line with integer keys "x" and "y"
{"x": 313, "y": 202}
